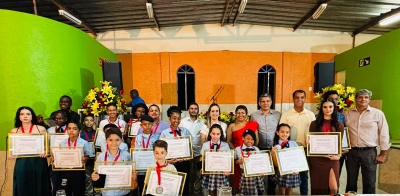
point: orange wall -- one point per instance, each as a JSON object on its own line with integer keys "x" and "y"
{"x": 154, "y": 74}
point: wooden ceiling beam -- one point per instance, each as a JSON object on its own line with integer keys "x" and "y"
{"x": 223, "y": 16}
{"x": 375, "y": 21}
{"x": 62, "y": 7}
{"x": 309, "y": 15}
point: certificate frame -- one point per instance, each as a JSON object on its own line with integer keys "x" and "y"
{"x": 150, "y": 175}
{"x": 139, "y": 151}
{"x": 338, "y": 143}
{"x": 130, "y": 128}
{"x": 247, "y": 164}
{"x": 95, "y": 135}
{"x": 280, "y": 154}
{"x": 229, "y": 154}
{"x": 50, "y": 135}
{"x": 12, "y": 140}
{"x": 347, "y": 135}
{"x": 173, "y": 139}
{"x": 130, "y": 165}
{"x": 58, "y": 149}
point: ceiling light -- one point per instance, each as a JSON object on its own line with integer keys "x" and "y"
{"x": 70, "y": 17}
{"x": 389, "y": 20}
{"x": 242, "y": 6}
{"x": 150, "y": 12}
{"x": 319, "y": 11}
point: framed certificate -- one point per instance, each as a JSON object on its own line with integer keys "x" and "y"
{"x": 217, "y": 162}
{"x": 346, "y": 140}
{"x": 66, "y": 158}
{"x": 143, "y": 157}
{"x": 56, "y": 138}
{"x": 258, "y": 163}
{"x": 27, "y": 145}
{"x": 118, "y": 174}
{"x": 322, "y": 144}
{"x": 291, "y": 160}
{"x": 171, "y": 182}
{"x": 133, "y": 131}
{"x": 100, "y": 137}
{"x": 93, "y": 148}
{"x": 179, "y": 147}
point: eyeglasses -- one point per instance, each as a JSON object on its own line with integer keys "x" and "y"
{"x": 59, "y": 119}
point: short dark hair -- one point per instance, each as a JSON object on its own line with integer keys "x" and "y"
{"x": 160, "y": 144}
{"x": 326, "y": 94}
{"x": 109, "y": 126}
{"x": 299, "y": 91}
{"x": 62, "y": 112}
{"x": 111, "y": 104}
{"x": 193, "y": 103}
{"x": 140, "y": 105}
{"x": 66, "y": 96}
{"x": 241, "y": 107}
{"x": 18, "y": 121}
{"x": 217, "y": 126}
{"x": 76, "y": 123}
{"x": 115, "y": 131}
{"x": 173, "y": 109}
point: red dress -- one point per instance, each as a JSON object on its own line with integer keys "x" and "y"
{"x": 238, "y": 141}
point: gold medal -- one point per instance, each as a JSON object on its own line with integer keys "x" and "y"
{"x": 159, "y": 190}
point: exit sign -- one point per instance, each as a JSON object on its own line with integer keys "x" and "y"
{"x": 364, "y": 62}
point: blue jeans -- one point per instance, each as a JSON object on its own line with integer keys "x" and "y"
{"x": 304, "y": 183}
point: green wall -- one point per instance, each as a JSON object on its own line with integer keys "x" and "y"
{"x": 381, "y": 76}
{"x": 41, "y": 60}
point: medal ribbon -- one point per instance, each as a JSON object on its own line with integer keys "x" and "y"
{"x": 155, "y": 130}
{"x": 212, "y": 145}
{"x": 30, "y": 129}
{"x": 106, "y": 155}
{"x": 284, "y": 143}
{"x": 326, "y": 128}
{"x": 174, "y": 132}
{"x": 146, "y": 145}
{"x": 109, "y": 122}
{"x": 87, "y": 136}
{"x": 69, "y": 142}
{"x": 248, "y": 154}
{"x": 158, "y": 170}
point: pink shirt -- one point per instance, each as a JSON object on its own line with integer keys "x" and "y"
{"x": 368, "y": 129}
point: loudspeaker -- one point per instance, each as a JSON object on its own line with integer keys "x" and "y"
{"x": 112, "y": 72}
{"x": 324, "y": 73}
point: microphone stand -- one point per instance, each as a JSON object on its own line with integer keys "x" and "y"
{"x": 213, "y": 98}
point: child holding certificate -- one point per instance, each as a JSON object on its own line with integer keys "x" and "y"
{"x": 145, "y": 140}
{"x": 215, "y": 142}
{"x": 60, "y": 119}
{"x": 88, "y": 133}
{"x": 113, "y": 153}
{"x": 73, "y": 182}
{"x": 182, "y": 165}
{"x": 282, "y": 140}
{"x": 248, "y": 185}
{"x": 123, "y": 146}
{"x": 160, "y": 150}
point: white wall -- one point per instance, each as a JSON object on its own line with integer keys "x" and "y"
{"x": 241, "y": 37}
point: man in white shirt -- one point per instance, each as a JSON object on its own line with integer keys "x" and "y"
{"x": 194, "y": 125}
{"x": 299, "y": 119}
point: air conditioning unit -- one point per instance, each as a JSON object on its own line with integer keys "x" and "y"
{"x": 70, "y": 17}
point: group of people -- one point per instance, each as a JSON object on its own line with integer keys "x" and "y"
{"x": 266, "y": 129}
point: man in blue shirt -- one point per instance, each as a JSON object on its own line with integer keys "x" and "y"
{"x": 135, "y": 98}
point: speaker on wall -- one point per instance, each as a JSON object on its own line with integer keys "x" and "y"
{"x": 112, "y": 72}
{"x": 324, "y": 73}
